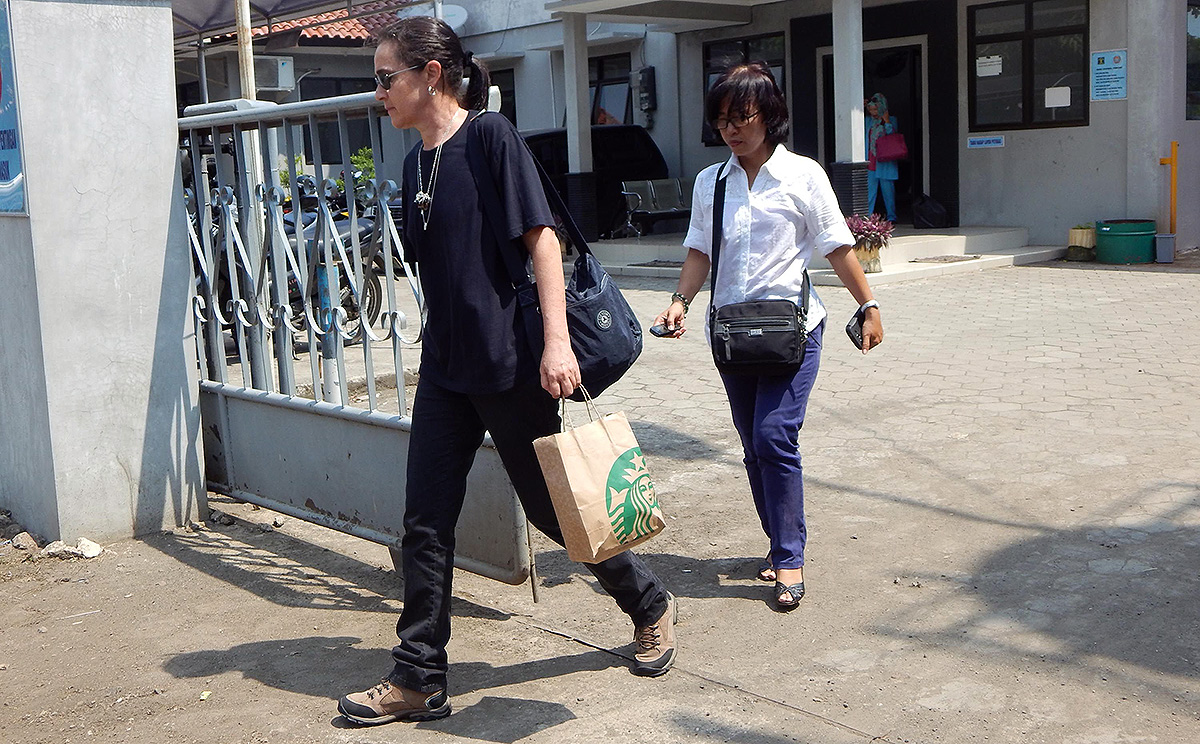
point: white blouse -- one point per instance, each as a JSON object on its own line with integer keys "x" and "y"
{"x": 770, "y": 231}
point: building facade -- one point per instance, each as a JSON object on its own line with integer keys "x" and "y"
{"x": 1042, "y": 114}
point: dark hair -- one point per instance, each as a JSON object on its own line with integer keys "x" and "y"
{"x": 750, "y": 87}
{"x": 419, "y": 40}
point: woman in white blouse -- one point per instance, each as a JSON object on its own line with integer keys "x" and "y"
{"x": 779, "y": 209}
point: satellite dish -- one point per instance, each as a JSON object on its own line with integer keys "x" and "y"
{"x": 454, "y": 15}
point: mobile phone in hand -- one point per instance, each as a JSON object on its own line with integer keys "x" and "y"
{"x": 661, "y": 330}
{"x": 854, "y": 329}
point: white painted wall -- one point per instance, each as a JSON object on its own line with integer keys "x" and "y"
{"x": 102, "y": 361}
{"x": 1051, "y": 179}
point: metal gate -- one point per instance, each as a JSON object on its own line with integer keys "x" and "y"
{"x": 304, "y": 308}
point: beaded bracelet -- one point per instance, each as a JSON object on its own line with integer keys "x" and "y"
{"x": 675, "y": 296}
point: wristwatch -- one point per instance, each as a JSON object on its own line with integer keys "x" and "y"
{"x": 868, "y": 304}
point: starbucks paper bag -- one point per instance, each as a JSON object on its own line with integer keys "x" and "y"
{"x": 602, "y": 493}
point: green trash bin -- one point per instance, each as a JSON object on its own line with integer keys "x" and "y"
{"x": 1125, "y": 241}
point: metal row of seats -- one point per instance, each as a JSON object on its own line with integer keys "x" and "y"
{"x": 646, "y": 202}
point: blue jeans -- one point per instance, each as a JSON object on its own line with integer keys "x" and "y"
{"x": 768, "y": 412}
{"x": 888, "y": 187}
{"x": 447, "y": 429}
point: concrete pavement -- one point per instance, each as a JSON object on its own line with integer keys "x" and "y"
{"x": 1004, "y": 516}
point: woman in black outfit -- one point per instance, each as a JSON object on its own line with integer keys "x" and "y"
{"x": 477, "y": 371}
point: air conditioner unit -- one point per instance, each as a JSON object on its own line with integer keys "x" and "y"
{"x": 274, "y": 73}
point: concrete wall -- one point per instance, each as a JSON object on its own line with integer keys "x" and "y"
{"x": 1051, "y": 179}
{"x": 103, "y": 352}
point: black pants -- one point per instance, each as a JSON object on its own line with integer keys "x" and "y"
{"x": 447, "y": 429}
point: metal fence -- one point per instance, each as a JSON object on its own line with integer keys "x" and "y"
{"x": 305, "y": 306}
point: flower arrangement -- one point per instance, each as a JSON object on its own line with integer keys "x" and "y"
{"x": 871, "y": 231}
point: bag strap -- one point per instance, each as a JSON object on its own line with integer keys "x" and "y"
{"x": 493, "y": 209}
{"x": 718, "y": 232}
{"x": 493, "y": 215}
{"x": 718, "y": 229}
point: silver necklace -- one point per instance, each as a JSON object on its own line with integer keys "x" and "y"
{"x": 423, "y": 198}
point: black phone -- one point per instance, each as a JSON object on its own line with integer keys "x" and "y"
{"x": 661, "y": 330}
{"x": 854, "y": 329}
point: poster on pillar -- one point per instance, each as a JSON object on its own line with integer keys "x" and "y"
{"x": 12, "y": 180}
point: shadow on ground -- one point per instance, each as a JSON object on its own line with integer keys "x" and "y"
{"x": 1127, "y": 593}
{"x": 320, "y": 667}
{"x": 293, "y": 572}
{"x": 696, "y": 578}
{"x": 665, "y": 442}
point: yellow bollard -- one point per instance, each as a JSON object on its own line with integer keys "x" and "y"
{"x": 1173, "y": 161}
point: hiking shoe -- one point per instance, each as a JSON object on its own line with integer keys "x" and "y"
{"x": 386, "y": 702}
{"x": 656, "y": 643}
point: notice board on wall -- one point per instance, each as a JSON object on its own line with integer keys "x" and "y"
{"x": 12, "y": 180}
{"x": 1109, "y": 75}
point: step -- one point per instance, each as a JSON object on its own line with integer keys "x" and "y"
{"x": 907, "y": 271}
{"x": 908, "y": 244}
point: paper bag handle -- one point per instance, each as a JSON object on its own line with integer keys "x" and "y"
{"x": 593, "y": 412}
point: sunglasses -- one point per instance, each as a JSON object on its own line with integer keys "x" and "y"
{"x": 734, "y": 121}
{"x": 384, "y": 79}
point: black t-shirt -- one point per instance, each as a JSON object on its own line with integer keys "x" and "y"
{"x": 474, "y": 340}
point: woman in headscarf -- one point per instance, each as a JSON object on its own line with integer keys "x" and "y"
{"x": 881, "y": 175}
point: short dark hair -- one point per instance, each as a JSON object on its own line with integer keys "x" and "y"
{"x": 421, "y": 39}
{"x": 750, "y": 87}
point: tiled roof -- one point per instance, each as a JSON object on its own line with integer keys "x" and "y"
{"x": 337, "y": 26}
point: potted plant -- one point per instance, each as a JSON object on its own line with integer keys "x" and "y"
{"x": 871, "y": 233}
{"x": 1081, "y": 243}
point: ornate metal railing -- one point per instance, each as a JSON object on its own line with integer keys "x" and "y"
{"x": 289, "y": 259}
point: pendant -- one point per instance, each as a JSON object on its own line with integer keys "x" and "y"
{"x": 423, "y": 200}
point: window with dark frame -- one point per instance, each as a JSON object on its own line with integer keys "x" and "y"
{"x": 1028, "y": 64}
{"x": 506, "y": 81}
{"x": 608, "y": 89}
{"x": 1192, "y": 94}
{"x": 721, "y": 55}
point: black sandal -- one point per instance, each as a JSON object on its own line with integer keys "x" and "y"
{"x": 795, "y": 591}
{"x": 766, "y": 572}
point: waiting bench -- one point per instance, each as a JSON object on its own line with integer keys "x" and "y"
{"x": 647, "y": 202}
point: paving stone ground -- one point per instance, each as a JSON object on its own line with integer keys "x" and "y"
{"x": 1004, "y": 515}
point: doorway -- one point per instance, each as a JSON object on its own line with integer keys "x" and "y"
{"x": 898, "y": 72}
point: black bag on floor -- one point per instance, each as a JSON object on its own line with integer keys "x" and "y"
{"x": 605, "y": 334}
{"x": 929, "y": 212}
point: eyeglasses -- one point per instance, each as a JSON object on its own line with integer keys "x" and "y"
{"x": 384, "y": 79}
{"x": 734, "y": 121}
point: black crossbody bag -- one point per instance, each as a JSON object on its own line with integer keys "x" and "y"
{"x": 758, "y": 337}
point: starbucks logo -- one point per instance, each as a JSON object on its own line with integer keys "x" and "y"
{"x": 630, "y": 496}
{"x": 604, "y": 320}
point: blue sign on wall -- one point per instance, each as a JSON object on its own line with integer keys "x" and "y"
{"x": 12, "y": 180}
{"x": 1109, "y": 75}
{"x": 979, "y": 143}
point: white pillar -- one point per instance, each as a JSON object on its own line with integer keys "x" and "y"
{"x": 575, "y": 64}
{"x": 848, "y": 81}
{"x": 99, "y": 409}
